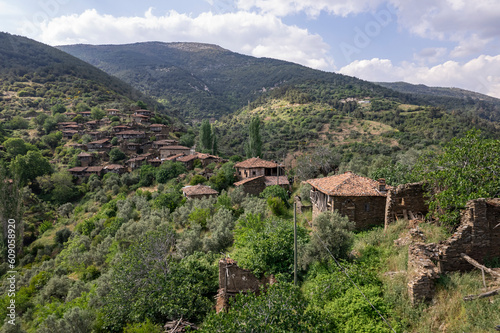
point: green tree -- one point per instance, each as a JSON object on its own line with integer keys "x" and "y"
{"x": 280, "y": 308}
{"x": 266, "y": 246}
{"x": 58, "y": 108}
{"x": 254, "y": 144}
{"x": 467, "y": 169}
{"x": 116, "y": 154}
{"x": 205, "y": 136}
{"x": 275, "y": 191}
{"x": 52, "y": 139}
{"x": 97, "y": 113}
{"x": 333, "y": 232}
{"x": 18, "y": 122}
{"x": 49, "y": 125}
{"x": 30, "y": 166}
{"x": 169, "y": 170}
{"x": 17, "y": 146}
{"x": 147, "y": 282}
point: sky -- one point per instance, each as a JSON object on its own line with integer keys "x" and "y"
{"x": 447, "y": 43}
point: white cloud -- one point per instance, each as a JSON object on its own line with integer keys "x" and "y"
{"x": 250, "y": 33}
{"x": 481, "y": 74}
{"x": 472, "y": 24}
{"x": 311, "y": 7}
{"x": 430, "y": 55}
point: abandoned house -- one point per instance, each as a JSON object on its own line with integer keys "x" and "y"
{"x": 199, "y": 192}
{"x": 173, "y": 150}
{"x": 158, "y": 128}
{"x": 85, "y": 159}
{"x": 255, "y": 185}
{"x": 361, "y": 199}
{"x": 131, "y": 134}
{"x": 99, "y": 145}
{"x": 255, "y": 166}
{"x": 164, "y": 143}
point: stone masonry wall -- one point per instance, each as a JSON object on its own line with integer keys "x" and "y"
{"x": 405, "y": 201}
{"x": 477, "y": 236}
{"x": 234, "y": 279}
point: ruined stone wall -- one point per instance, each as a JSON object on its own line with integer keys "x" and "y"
{"x": 477, "y": 236}
{"x": 405, "y": 201}
{"x": 422, "y": 272}
{"x": 254, "y": 187}
{"x": 234, "y": 279}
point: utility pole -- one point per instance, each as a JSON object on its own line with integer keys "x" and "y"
{"x": 295, "y": 243}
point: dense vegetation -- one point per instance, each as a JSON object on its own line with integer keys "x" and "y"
{"x": 126, "y": 253}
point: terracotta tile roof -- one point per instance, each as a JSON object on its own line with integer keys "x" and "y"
{"x": 98, "y": 142}
{"x": 255, "y": 162}
{"x": 187, "y": 158}
{"x": 140, "y": 116}
{"x": 77, "y": 169}
{"x": 94, "y": 169}
{"x": 203, "y": 156}
{"x": 198, "y": 190}
{"x": 271, "y": 180}
{"x": 174, "y": 157}
{"x": 347, "y": 184}
{"x": 130, "y": 133}
{"x": 175, "y": 148}
{"x": 247, "y": 180}
{"x": 84, "y": 155}
{"x": 157, "y": 125}
{"x": 114, "y": 167}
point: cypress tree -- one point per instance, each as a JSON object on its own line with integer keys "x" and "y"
{"x": 254, "y": 144}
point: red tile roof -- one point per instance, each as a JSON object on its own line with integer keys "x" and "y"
{"x": 175, "y": 148}
{"x": 77, "y": 169}
{"x": 247, "y": 180}
{"x": 174, "y": 157}
{"x": 99, "y": 142}
{"x": 84, "y": 155}
{"x": 94, "y": 169}
{"x": 114, "y": 167}
{"x": 187, "y": 158}
{"x": 130, "y": 133}
{"x": 347, "y": 184}
{"x": 255, "y": 162}
{"x": 198, "y": 190}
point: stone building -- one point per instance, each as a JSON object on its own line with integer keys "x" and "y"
{"x": 406, "y": 201}
{"x": 173, "y": 150}
{"x": 361, "y": 199}
{"x": 255, "y": 166}
{"x": 199, "y": 192}
{"x": 253, "y": 185}
{"x": 477, "y": 236}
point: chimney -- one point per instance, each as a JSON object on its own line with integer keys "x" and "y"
{"x": 381, "y": 185}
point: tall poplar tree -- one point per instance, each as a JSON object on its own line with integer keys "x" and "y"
{"x": 205, "y": 136}
{"x": 254, "y": 144}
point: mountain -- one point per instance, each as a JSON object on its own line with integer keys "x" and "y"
{"x": 203, "y": 80}
{"x": 482, "y": 105}
{"x": 35, "y": 76}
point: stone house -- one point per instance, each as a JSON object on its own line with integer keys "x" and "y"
{"x": 121, "y": 128}
{"x": 207, "y": 159}
{"x": 68, "y": 134}
{"x": 140, "y": 119}
{"x": 164, "y": 143}
{"x": 93, "y": 170}
{"x": 361, "y": 199}
{"x": 114, "y": 168}
{"x": 92, "y": 125}
{"x": 85, "y": 159}
{"x": 131, "y": 134}
{"x": 85, "y": 114}
{"x": 255, "y": 166}
{"x": 256, "y": 185}
{"x": 77, "y": 171}
{"x": 199, "y": 192}
{"x": 252, "y": 186}
{"x": 136, "y": 162}
{"x": 173, "y": 150}
{"x": 112, "y": 112}
{"x": 158, "y": 129}
{"x": 188, "y": 161}
{"x": 144, "y": 113}
{"x": 99, "y": 145}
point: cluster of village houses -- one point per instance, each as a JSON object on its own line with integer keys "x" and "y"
{"x": 362, "y": 199}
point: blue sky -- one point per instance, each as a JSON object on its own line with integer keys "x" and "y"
{"x": 451, "y": 43}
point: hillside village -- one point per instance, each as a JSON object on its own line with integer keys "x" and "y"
{"x": 331, "y": 205}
